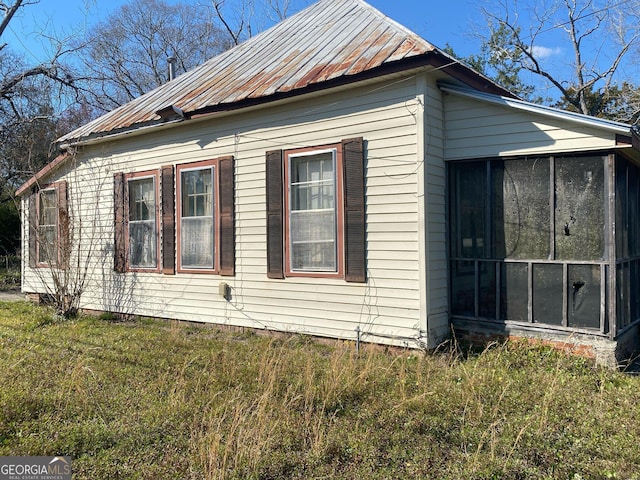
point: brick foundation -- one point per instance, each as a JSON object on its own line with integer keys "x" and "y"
{"x": 604, "y": 351}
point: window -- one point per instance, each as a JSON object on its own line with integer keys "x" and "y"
{"x": 205, "y": 192}
{"x": 197, "y": 195}
{"x": 196, "y": 205}
{"x": 313, "y": 243}
{"x": 47, "y": 226}
{"x": 48, "y": 218}
{"x": 141, "y": 202}
{"x": 315, "y": 212}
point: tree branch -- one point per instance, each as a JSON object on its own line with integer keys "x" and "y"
{"x": 235, "y": 36}
{"x": 9, "y": 12}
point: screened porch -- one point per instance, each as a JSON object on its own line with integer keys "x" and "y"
{"x": 547, "y": 242}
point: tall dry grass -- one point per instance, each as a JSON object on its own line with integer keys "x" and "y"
{"x": 153, "y": 400}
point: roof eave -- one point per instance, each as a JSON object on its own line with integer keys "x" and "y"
{"x": 48, "y": 169}
{"x": 550, "y": 112}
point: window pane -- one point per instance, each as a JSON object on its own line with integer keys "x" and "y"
{"x": 632, "y": 216}
{"x": 579, "y": 208}
{"x": 312, "y": 215}
{"x": 547, "y": 294}
{"x": 48, "y": 208}
{"x": 521, "y": 208}
{"x": 311, "y": 197}
{"x": 634, "y": 289}
{"x": 142, "y": 223}
{"x": 313, "y": 226}
{"x": 196, "y": 242}
{"x": 622, "y": 203}
{"x": 142, "y": 199}
{"x": 48, "y": 227}
{"x": 197, "y": 192}
{"x": 142, "y": 244}
{"x": 623, "y": 303}
{"x": 319, "y": 257}
{"x": 312, "y": 168}
{"x": 47, "y": 249}
{"x": 313, "y": 240}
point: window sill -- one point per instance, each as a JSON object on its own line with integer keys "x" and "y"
{"x": 198, "y": 271}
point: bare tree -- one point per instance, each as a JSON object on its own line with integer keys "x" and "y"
{"x": 126, "y": 54}
{"x": 66, "y": 228}
{"x": 9, "y": 10}
{"x": 598, "y": 36}
{"x": 244, "y": 18}
{"x": 31, "y": 96}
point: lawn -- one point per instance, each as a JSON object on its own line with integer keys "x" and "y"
{"x": 156, "y": 399}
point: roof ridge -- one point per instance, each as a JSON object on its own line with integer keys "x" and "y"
{"x": 391, "y": 21}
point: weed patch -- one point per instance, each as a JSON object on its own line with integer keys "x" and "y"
{"x": 156, "y": 399}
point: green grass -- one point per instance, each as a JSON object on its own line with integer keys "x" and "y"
{"x": 155, "y": 400}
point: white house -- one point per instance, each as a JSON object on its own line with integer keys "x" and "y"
{"x": 339, "y": 176}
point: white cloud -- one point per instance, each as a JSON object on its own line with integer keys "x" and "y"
{"x": 545, "y": 52}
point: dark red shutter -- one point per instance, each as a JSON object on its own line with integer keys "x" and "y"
{"x": 33, "y": 229}
{"x": 119, "y": 248}
{"x": 64, "y": 242}
{"x": 168, "y": 222}
{"x": 275, "y": 199}
{"x": 354, "y": 210}
{"x": 227, "y": 214}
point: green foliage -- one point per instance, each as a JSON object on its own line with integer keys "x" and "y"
{"x": 9, "y": 227}
{"x": 618, "y": 102}
{"x": 501, "y": 60}
{"x": 172, "y": 400}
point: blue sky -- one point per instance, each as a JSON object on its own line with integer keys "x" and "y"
{"x": 435, "y": 20}
{"x": 438, "y": 21}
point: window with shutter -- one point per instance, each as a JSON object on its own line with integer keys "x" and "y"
{"x": 205, "y": 217}
{"x": 141, "y": 212}
{"x": 315, "y": 212}
{"x": 313, "y": 221}
{"x": 195, "y": 213}
{"x": 49, "y": 226}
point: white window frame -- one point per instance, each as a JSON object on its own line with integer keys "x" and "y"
{"x": 335, "y": 270}
{"x": 211, "y": 166}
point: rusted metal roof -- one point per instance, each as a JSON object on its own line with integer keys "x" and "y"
{"x": 329, "y": 41}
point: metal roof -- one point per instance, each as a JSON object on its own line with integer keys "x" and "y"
{"x": 328, "y": 41}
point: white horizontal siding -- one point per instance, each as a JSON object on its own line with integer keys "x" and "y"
{"x": 436, "y": 289}
{"x": 476, "y": 129}
{"x": 387, "y": 304}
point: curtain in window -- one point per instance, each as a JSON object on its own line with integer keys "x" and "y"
{"x": 313, "y": 213}
{"x": 196, "y": 229}
{"x": 142, "y": 223}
